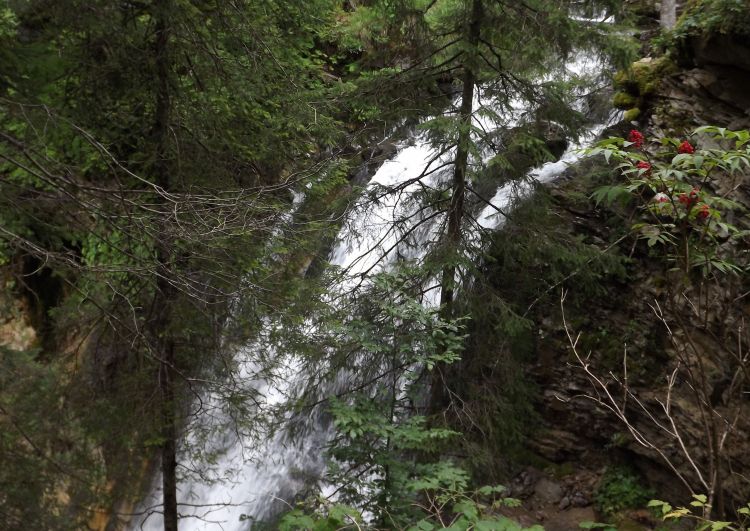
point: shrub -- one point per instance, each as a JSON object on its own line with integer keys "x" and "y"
{"x": 621, "y": 489}
{"x": 670, "y": 187}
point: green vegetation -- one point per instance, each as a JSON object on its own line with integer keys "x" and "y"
{"x": 638, "y": 83}
{"x": 44, "y": 447}
{"x": 146, "y": 160}
{"x": 173, "y": 174}
{"x": 619, "y": 489}
{"x": 449, "y": 508}
{"x": 702, "y": 522}
{"x": 672, "y": 188}
{"x": 712, "y": 17}
{"x": 682, "y": 221}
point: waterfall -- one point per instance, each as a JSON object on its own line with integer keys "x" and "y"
{"x": 256, "y": 477}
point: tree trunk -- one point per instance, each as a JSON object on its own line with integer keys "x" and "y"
{"x": 668, "y": 15}
{"x": 165, "y": 292}
{"x": 438, "y": 392}
{"x": 169, "y": 436}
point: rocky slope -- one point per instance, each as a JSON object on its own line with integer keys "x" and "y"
{"x": 583, "y": 454}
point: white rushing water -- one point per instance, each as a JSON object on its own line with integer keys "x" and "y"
{"x": 255, "y": 475}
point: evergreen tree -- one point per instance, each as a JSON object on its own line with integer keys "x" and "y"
{"x": 148, "y": 149}
{"x": 497, "y": 57}
{"x": 146, "y": 153}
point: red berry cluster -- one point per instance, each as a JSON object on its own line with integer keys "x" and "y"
{"x": 691, "y": 199}
{"x": 636, "y": 137}
{"x": 686, "y": 148}
{"x": 643, "y": 165}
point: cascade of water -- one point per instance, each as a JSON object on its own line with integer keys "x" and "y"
{"x": 255, "y": 477}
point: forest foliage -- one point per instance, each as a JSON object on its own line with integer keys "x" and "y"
{"x": 170, "y": 168}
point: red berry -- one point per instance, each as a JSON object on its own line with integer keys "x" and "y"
{"x": 636, "y": 138}
{"x": 686, "y": 148}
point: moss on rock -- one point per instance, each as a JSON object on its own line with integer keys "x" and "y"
{"x": 631, "y": 114}
{"x": 648, "y": 73}
{"x": 624, "y": 100}
{"x": 638, "y": 83}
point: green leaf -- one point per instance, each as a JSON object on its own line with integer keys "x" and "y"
{"x": 468, "y": 509}
{"x": 677, "y": 513}
{"x": 422, "y": 525}
{"x": 611, "y": 194}
{"x": 296, "y": 520}
{"x": 491, "y": 489}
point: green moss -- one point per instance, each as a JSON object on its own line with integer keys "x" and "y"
{"x": 648, "y": 73}
{"x": 631, "y": 114}
{"x": 623, "y": 100}
{"x": 638, "y": 83}
{"x": 642, "y": 74}
{"x": 623, "y": 80}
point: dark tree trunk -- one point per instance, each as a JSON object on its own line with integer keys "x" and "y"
{"x": 439, "y": 394}
{"x": 165, "y": 292}
{"x": 169, "y": 435}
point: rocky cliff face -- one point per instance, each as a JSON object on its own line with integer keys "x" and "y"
{"x": 646, "y": 341}
{"x": 580, "y": 428}
{"x": 710, "y": 87}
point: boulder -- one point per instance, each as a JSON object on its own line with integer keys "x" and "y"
{"x": 722, "y": 49}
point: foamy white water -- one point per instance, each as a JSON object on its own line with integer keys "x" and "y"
{"x": 256, "y": 474}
